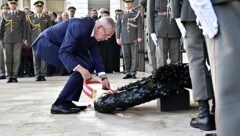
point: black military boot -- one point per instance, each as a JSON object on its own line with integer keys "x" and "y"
{"x": 205, "y": 121}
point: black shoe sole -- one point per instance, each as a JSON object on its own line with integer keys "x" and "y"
{"x": 59, "y": 112}
{"x": 204, "y": 128}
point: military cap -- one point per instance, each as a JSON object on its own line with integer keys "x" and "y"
{"x": 72, "y": 9}
{"x": 128, "y": 0}
{"x": 5, "y": 6}
{"x": 13, "y": 1}
{"x": 118, "y": 11}
{"x": 39, "y": 3}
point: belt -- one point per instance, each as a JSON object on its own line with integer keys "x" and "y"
{"x": 162, "y": 13}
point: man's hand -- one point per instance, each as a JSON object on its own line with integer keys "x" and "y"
{"x": 154, "y": 38}
{"x": 105, "y": 84}
{"x": 119, "y": 42}
{"x": 26, "y": 43}
{"x": 139, "y": 40}
{"x": 85, "y": 73}
{"x": 181, "y": 27}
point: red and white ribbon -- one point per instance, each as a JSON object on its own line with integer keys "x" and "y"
{"x": 91, "y": 93}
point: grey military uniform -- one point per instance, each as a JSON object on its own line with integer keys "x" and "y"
{"x": 196, "y": 49}
{"x": 2, "y": 61}
{"x": 13, "y": 31}
{"x": 224, "y": 58}
{"x": 167, "y": 32}
{"x": 129, "y": 29}
{"x": 38, "y": 23}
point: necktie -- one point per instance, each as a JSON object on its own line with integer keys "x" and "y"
{"x": 13, "y": 13}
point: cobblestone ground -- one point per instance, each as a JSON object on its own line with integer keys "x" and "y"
{"x": 25, "y": 111}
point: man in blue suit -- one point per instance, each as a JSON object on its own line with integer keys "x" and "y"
{"x": 74, "y": 43}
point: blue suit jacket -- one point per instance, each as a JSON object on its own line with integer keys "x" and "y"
{"x": 70, "y": 42}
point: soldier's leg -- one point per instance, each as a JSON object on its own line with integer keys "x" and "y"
{"x": 2, "y": 62}
{"x": 174, "y": 50}
{"x": 152, "y": 53}
{"x": 127, "y": 57}
{"x": 37, "y": 65}
{"x": 159, "y": 52}
{"x": 134, "y": 59}
{"x": 17, "y": 50}
{"x": 43, "y": 68}
{"x": 9, "y": 59}
{"x": 224, "y": 56}
{"x": 201, "y": 80}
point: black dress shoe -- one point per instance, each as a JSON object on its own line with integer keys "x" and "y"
{"x": 212, "y": 134}
{"x": 2, "y": 77}
{"x": 15, "y": 80}
{"x": 127, "y": 76}
{"x": 81, "y": 108}
{"x": 205, "y": 123}
{"x": 134, "y": 77}
{"x": 62, "y": 109}
{"x": 38, "y": 78}
{"x": 43, "y": 78}
{"x": 10, "y": 80}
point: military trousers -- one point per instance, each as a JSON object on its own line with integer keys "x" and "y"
{"x": 151, "y": 48}
{"x": 2, "y": 61}
{"x": 167, "y": 48}
{"x": 130, "y": 58}
{"x": 196, "y": 50}
{"x": 40, "y": 65}
{"x": 224, "y": 57}
{"x": 13, "y": 58}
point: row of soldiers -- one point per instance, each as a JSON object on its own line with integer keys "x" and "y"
{"x": 164, "y": 43}
{"x": 18, "y": 29}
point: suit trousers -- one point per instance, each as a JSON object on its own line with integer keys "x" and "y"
{"x": 40, "y": 66}
{"x": 73, "y": 88}
{"x": 197, "y": 56}
{"x": 130, "y": 58}
{"x": 224, "y": 59}
{"x": 152, "y": 53}
{"x": 13, "y": 58}
{"x": 167, "y": 47}
{"x": 2, "y": 61}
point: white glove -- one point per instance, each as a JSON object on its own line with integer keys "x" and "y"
{"x": 181, "y": 27}
{"x": 206, "y": 16}
{"x": 154, "y": 38}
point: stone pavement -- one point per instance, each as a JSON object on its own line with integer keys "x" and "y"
{"x": 25, "y": 111}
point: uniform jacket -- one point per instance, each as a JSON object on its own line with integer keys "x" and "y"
{"x": 129, "y": 26}
{"x": 13, "y": 27}
{"x": 37, "y": 25}
{"x": 163, "y": 26}
{"x": 70, "y": 41}
{"x": 182, "y": 9}
{"x": 221, "y": 1}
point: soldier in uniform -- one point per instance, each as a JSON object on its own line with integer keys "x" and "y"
{"x": 13, "y": 30}
{"x": 224, "y": 57}
{"x": 4, "y": 8}
{"x": 71, "y": 11}
{"x": 39, "y": 22}
{"x": 164, "y": 30}
{"x": 129, "y": 34}
{"x": 197, "y": 56}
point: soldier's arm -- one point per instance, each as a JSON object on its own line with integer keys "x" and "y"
{"x": 140, "y": 26}
{"x": 2, "y": 29}
{"x": 24, "y": 26}
{"x": 150, "y": 16}
{"x": 118, "y": 27}
{"x": 175, "y": 6}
